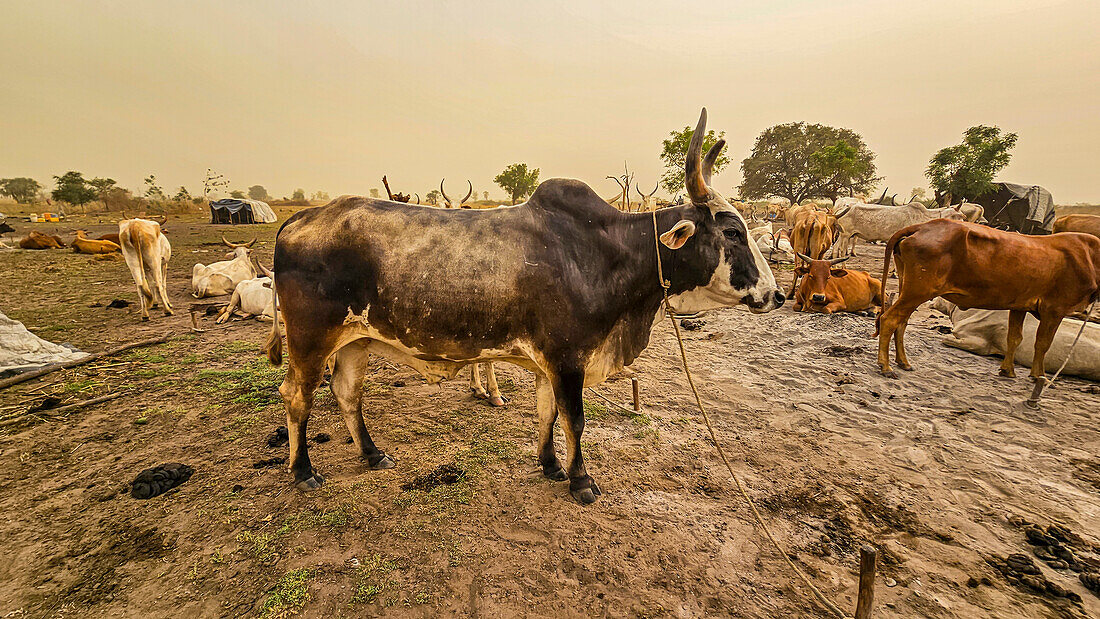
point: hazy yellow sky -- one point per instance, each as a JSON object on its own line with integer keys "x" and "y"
{"x": 331, "y": 95}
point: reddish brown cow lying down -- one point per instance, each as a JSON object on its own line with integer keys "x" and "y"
{"x": 828, "y": 290}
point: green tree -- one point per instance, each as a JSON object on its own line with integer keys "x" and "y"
{"x": 674, "y": 151}
{"x": 966, "y": 170}
{"x": 486, "y": 195}
{"x": 257, "y": 192}
{"x": 182, "y": 195}
{"x": 433, "y": 197}
{"x": 153, "y": 191}
{"x": 320, "y": 195}
{"x": 802, "y": 160}
{"x": 21, "y": 189}
{"x": 299, "y": 195}
{"x": 72, "y": 188}
{"x": 236, "y": 193}
{"x": 518, "y": 181}
{"x": 374, "y": 192}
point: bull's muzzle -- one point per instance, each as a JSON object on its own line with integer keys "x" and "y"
{"x": 817, "y": 298}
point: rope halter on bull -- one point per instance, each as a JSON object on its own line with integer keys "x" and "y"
{"x": 693, "y": 152}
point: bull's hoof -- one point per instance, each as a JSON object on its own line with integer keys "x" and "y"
{"x": 312, "y": 483}
{"x": 905, "y": 366}
{"x": 554, "y": 472}
{"x": 498, "y": 400}
{"x": 1006, "y": 373}
{"x": 380, "y": 462}
{"x": 481, "y": 395}
{"x": 169, "y": 312}
{"x": 890, "y": 374}
{"x": 144, "y": 319}
{"x": 587, "y": 495}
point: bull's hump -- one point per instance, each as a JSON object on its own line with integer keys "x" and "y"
{"x": 570, "y": 196}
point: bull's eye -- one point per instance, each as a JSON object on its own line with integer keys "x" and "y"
{"x": 733, "y": 234}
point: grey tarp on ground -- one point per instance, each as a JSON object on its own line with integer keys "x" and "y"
{"x": 21, "y": 350}
{"x": 261, "y": 212}
{"x": 1040, "y": 205}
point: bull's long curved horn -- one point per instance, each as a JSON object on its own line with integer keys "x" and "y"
{"x": 227, "y": 243}
{"x": 417, "y": 198}
{"x": 468, "y": 193}
{"x": 446, "y": 200}
{"x": 708, "y": 161}
{"x": 893, "y": 202}
{"x": 804, "y": 257}
{"x": 163, "y": 220}
{"x": 883, "y": 196}
{"x": 836, "y": 261}
{"x": 249, "y": 244}
{"x": 656, "y": 186}
{"x": 264, "y": 270}
{"x": 694, "y": 181}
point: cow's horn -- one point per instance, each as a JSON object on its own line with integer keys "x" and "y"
{"x": 468, "y": 193}
{"x": 163, "y": 220}
{"x": 708, "y": 161}
{"x": 250, "y": 243}
{"x": 836, "y": 261}
{"x": 417, "y": 198}
{"x": 264, "y": 270}
{"x": 694, "y": 181}
{"x": 446, "y": 200}
{"x": 227, "y": 243}
{"x": 883, "y": 196}
{"x": 656, "y": 186}
{"x": 804, "y": 257}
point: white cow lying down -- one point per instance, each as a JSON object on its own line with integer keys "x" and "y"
{"x": 985, "y": 332}
{"x": 252, "y": 297}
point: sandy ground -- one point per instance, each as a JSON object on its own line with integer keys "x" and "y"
{"x": 936, "y": 469}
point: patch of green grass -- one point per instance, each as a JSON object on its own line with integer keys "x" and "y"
{"x": 82, "y": 385}
{"x": 506, "y": 384}
{"x": 594, "y": 410}
{"x": 256, "y": 384}
{"x": 290, "y": 594}
{"x": 374, "y": 578}
{"x": 191, "y": 359}
{"x": 263, "y": 545}
{"x": 232, "y": 348}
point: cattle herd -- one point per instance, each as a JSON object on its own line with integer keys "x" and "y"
{"x": 569, "y": 287}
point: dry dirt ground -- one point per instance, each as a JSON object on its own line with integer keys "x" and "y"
{"x": 936, "y": 469}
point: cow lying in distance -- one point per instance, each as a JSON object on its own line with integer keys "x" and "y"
{"x": 985, "y": 332}
{"x": 253, "y": 297}
{"x": 1088, "y": 224}
{"x": 975, "y": 266}
{"x": 563, "y": 285}
{"x": 772, "y": 243}
{"x": 83, "y": 245}
{"x": 147, "y": 252}
{"x": 222, "y": 277}
{"x": 38, "y": 240}
{"x": 828, "y": 290}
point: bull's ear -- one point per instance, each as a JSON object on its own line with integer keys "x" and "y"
{"x": 838, "y": 272}
{"x": 802, "y": 271}
{"x": 678, "y": 235}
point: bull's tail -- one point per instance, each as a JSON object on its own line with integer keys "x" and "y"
{"x": 274, "y": 345}
{"x": 143, "y": 283}
{"x": 891, "y": 245}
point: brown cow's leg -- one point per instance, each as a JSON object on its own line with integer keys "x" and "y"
{"x": 1044, "y": 336}
{"x": 347, "y": 387}
{"x": 899, "y": 346}
{"x": 891, "y": 320}
{"x": 302, "y": 378}
{"x": 494, "y": 389}
{"x": 475, "y": 382}
{"x": 548, "y": 414}
{"x": 568, "y": 390}
{"x": 1015, "y": 334}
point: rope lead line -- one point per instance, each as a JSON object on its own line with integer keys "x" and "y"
{"x": 829, "y": 605}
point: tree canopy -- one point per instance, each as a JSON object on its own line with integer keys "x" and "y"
{"x": 518, "y": 181}
{"x": 73, "y": 188}
{"x": 674, "y": 152}
{"x": 433, "y": 197}
{"x": 966, "y": 170}
{"x": 803, "y": 160}
{"x": 20, "y": 189}
{"x": 257, "y": 192}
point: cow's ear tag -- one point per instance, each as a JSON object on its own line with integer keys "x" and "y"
{"x": 678, "y": 235}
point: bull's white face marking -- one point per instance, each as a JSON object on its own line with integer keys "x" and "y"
{"x": 719, "y": 292}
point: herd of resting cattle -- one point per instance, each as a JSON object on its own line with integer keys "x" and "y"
{"x": 569, "y": 287}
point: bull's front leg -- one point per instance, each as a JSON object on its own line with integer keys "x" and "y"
{"x": 548, "y": 414}
{"x": 297, "y": 390}
{"x": 568, "y": 390}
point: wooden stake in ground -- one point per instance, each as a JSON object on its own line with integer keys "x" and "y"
{"x": 53, "y": 412}
{"x": 20, "y": 378}
{"x": 866, "y": 599}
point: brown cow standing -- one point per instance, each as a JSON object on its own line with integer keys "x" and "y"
{"x": 828, "y": 290}
{"x": 972, "y": 265}
{"x": 1089, "y": 224}
{"x": 813, "y": 234}
{"x": 37, "y": 240}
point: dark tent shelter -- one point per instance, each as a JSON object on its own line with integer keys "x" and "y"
{"x": 1028, "y": 209}
{"x": 235, "y": 211}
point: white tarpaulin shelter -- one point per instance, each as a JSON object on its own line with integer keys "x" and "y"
{"x": 21, "y": 350}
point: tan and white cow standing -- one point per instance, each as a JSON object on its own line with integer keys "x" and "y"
{"x": 146, "y": 251}
{"x": 493, "y": 393}
{"x": 222, "y": 277}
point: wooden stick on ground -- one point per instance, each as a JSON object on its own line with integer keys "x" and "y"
{"x": 52, "y": 412}
{"x": 866, "y": 599}
{"x": 19, "y": 378}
